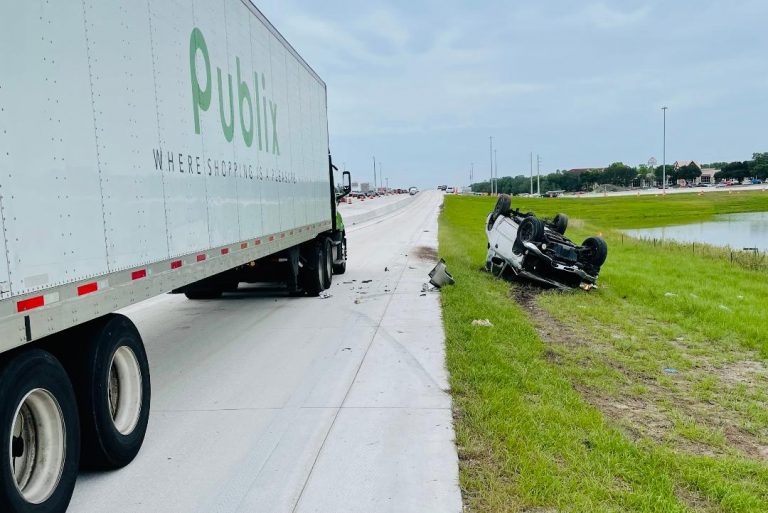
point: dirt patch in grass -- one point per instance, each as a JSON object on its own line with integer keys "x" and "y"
{"x": 666, "y": 411}
{"x": 426, "y": 253}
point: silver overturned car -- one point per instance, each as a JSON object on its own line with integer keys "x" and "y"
{"x": 522, "y": 246}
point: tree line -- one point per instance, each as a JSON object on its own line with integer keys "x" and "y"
{"x": 620, "y": 175}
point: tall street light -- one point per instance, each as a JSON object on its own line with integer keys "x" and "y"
{"x": 496, "y": 170}
{"x": 491, "y": 165}
{"x": 664, "y": 158}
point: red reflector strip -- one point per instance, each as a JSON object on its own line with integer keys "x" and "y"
{"x": 225, "y": 251}
{"x": 176, "y": 264}
{"x": 31, "y": 303}
{"x": 137, "y": 275}
{"x": 88, "y": 288}
{"x": 201, "y": 258}
{"x": 244, "y": 245}
{"x": 257, "y": 242}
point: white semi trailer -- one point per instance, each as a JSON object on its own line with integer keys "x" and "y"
{"x": 145, "y": 147}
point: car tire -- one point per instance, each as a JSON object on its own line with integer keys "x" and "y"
{"x": 112, "y": 384}
{"x": 37, "y": 406}
{"x": 531, "y": 229}
{"x": 560, "y": 223}
{"x": 597, "y": 251}
{"x": 503, "y": 205}
{"x": 502, "y": 209}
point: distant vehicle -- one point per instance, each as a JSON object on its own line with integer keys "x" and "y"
{"x": 450, "y": 190}
{"x": 757, "y": 181}
{"x": 442, "y": 187}
{"x": 413, "y": 191}
{"x": 553, "y": 194}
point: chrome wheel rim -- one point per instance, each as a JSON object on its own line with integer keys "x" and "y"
{"x": 37, "y": 446}
{"x": 125, "y": 391}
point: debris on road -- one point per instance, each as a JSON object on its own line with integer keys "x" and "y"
{"x": 439, "y": 276}
{"x": 367, "y": 281}
{"x": 485, "y": 323}
{"x": 325, "y": 295}
{"x": 523, "y": 246}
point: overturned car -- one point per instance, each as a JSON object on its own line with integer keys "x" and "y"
{"x": 522, "y": 246}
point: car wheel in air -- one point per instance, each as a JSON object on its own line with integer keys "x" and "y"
{"x": 531, "y": 229}
{"x": 597, "y": 251}
{"x": 560, "y": 223}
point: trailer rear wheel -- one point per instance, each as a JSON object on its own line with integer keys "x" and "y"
{"x": 111, "y": 380}
{"x": 39, "y": 435}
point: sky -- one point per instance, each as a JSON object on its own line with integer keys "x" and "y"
{"x": 423, "y": 84}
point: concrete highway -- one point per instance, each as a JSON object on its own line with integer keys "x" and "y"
{"x": 264, "y": 403}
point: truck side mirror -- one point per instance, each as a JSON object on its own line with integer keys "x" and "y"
{"x": 347, "y": 182}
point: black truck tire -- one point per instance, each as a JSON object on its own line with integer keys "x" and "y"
{"x": 312, "y": 274}
{"x": 341, "y": 253}
{"x": 328, "y": 268}
{"x": 531, "y": 229}
{"x": 112, "y": 383}
{"x": 37, "y": 409}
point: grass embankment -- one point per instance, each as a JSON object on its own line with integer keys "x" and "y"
{"x": 650, "y": 394}
{"x": 649, "y": 211}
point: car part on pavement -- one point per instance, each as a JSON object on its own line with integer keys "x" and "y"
{"x": 439, "y": 276}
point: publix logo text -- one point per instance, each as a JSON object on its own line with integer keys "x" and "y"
{"x": 257, "y": 114}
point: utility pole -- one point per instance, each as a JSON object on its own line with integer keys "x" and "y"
{"x": 471, "y": 172}
{"x": 374, "y": 173}
{"x": 491, "y": 165}
{"x": 538, "y": 175}
{"x": 381, "y": 173}
{"x": 664, "y": 158}
{"x": 531, "y": 173}
{"x": 496, "y": 170}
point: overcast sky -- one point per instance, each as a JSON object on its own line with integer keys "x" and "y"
{"x": 422, "y": 84}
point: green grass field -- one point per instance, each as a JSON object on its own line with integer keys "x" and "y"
{"x": 649, "y": 394}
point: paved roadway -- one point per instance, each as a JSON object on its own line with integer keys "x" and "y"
{"x": 264, "y": 403}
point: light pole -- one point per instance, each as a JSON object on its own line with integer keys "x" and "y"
{"x": 664, "y": 157}
{"x": 496, "y": 170}
{"x": 471, "y": 172}
{"x": 491, "y": 165}
{"x": 531, "y": 173}
{"x": 374, "y": 173}
{"x": 538, "y": 175}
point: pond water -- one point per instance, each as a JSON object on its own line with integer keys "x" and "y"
{"x": 737, "y": 231}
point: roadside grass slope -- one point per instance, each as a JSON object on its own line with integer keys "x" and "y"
{"x": 649, "y": 394}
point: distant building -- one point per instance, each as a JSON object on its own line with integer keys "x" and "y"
{"x": 707, "y": 175}
{"x": 682, "y": 163}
